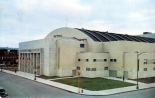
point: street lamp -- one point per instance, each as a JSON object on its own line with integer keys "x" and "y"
{"x": 34, "y": 75}
{"x": 1, "y": 68}
{"x": 79, "y": 73}
{"x": 138, "y": 54}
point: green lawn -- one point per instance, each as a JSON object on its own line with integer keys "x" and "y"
{"x": 11, "y": 69}
{"x": 47, "y": 77}
{"x": 146, "y": 80}
{"x": 94, "y": 84}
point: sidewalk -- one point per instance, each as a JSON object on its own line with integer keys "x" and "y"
{"x": 85, "y": 92}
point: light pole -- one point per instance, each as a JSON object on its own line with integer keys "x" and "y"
{"x": 79, "y": 73}
{"x": 138, "y": 54}
{"x": 1, "y": 68}
{"x": 35, "y": 75}
{"x": 123, "y": 77}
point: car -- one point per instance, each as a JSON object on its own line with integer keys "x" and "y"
{"x": 2, "y": 65}
{"x": 3, "y": 94}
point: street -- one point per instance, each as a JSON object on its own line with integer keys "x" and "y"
{"x": 20, "y": 87}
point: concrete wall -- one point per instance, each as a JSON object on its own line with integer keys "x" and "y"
{"x": 99, "y": 64}
{"x": 66, "y": 55}
{"x": 124, "y": 52}
{"x": 48, "y": 47}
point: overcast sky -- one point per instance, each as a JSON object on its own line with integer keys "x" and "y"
{"x": 25, "y": 20}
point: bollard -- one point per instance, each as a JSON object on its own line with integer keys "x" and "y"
{"x": 15, "y": 70}
{"x": 82, "y": 91}
{"x": 123, "y": 77}
{"x": 34, "y": 75}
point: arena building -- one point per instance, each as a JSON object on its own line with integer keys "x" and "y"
{"x": 96, "y": 54}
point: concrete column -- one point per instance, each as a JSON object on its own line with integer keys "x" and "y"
{"x": 30, "y": 63}
{"x": 20, "y": 68}
{"x": 24, "y": 63}
{"x": 34, "y": 62}
{"x": 41, "y": 62}
{"x": 38, "y": 63}
{"x": 19, "y": 60}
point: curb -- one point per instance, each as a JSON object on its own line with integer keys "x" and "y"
{"x": 86, "y": 94}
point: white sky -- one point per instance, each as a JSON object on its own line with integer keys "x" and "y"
{"x": 25, "y": 20}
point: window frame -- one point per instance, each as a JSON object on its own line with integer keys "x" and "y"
{"x": 106, "y": 68}
{"x": 145, "y": 62}
{"x": 111, "y": 60}
{"x": 82, "y": 45}
{"x": 87, "y": 60}
{"x": 145, "y": 69}
{"x": 79, "y": 60}
{"x": 153, "y": 61}
{"x": 87, "y": 69}
{"x": 93, "y": 69}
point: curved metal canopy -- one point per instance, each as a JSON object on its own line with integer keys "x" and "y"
{"x": 105, "y": 36}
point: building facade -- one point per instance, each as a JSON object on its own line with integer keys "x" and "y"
{"x": 94, "y": 53}
{"x": 9, "y": 56}
{"x": 148, "y": 34}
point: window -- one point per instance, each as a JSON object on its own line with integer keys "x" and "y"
{"x": 115, "y": 60}
{"x": 78, "y": 68}
{"x": 87, "y": 69}
{"x": 79, "y": 60}
{"x": 81, "y": 45}
{"x": 145, "y": 69}
{"x": 105, "y": 68}
{"x": 153, "y": 61}
{"x": 111, "y": 60}
{"x": 105, "y": 60}
{"x": 145, "y": 61}
{"x": 94, "y": 60}
{"x": 93, "y": 69}
{"x": 87, "y": 60}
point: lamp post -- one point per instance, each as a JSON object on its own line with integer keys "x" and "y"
{"x": 138, "y": 54}
{"x": 79, "y": 73}
{"x": 8, "y": 59}
{"x": 35, "y": 75}
{"x": 1, "y": 68}
{"x": 123, "y": 77}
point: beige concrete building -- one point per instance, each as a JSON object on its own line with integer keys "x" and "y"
{"x": 95, "y": 53}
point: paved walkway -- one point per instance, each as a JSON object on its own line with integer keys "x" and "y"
{"x": 86, "y": 92}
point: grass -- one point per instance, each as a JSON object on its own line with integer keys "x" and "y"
{"x": 95, "y": 84}
{"x": 146, "y": 80}
{"x": 11, "y": 69}
{"x": 47, "y": 77}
